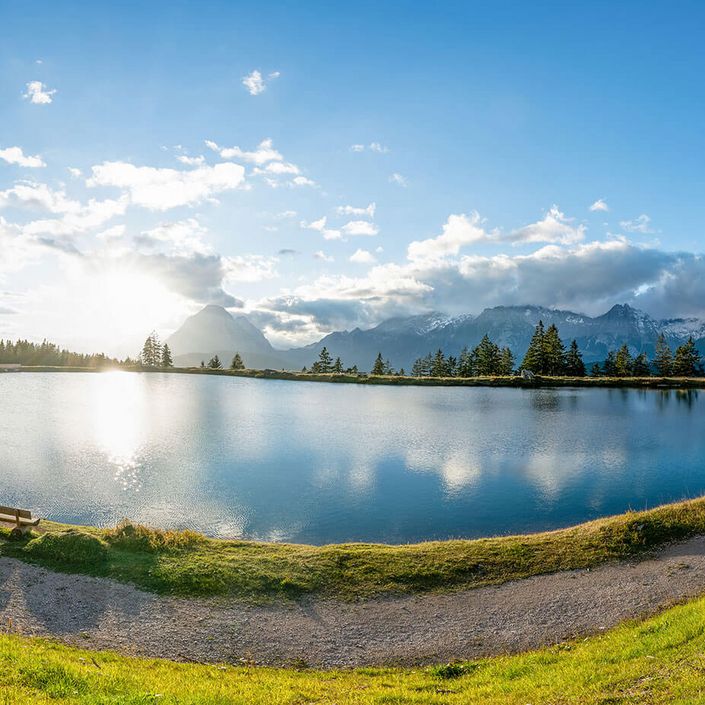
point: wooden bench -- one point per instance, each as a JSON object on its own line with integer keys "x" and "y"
{"x": 21, "y": 518}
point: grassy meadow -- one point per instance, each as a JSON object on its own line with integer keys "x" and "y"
{"x": 189, "y": 564}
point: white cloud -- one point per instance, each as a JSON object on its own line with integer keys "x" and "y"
{"x": 111, "y": 234}
{"x": 642, "y": 224}
{"x": 360, "y": 227}
{"x": 369, "y": 211}
{"x": 320, "y": 226}
{"x": 599, "y": 205}
{"x": 75, "y": 173}
{"x": 363, "y": 257}
{"x": 249, "y": 268}
{"x": 377, "y": 147}
{"x": 182, "y": 237}
{"x": 320, "y": 255}
{"x": 279, "y": 168}
{"x": 458, "y": 231}
{"x": 399, "y": 180}
{"x": 302, "y": 181}
{"x": 255, "y": 82}
{"x": 161, "y": 189}
{"x": 38, "y": 93}
{"x": 264, "y": 153}
{"x": 15, "y": 155}
{"x": 554, "y": 227}
{"x": 191, "y": 161}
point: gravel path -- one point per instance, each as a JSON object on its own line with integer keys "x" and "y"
{"x": 97, "y": 613}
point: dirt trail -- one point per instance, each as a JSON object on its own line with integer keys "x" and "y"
{"x": 97, "y": 613}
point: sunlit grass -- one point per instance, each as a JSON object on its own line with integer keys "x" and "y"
{"x": 661, "y": 660}
{"x": 185, "y": 563}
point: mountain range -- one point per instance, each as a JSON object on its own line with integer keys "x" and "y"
{"x": 213, "y": 330}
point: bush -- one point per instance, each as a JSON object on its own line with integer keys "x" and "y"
{"x": 73, "y": 546}
{"x": 137, "y": 537}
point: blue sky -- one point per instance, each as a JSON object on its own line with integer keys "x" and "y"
{"x": 454, "y": 149}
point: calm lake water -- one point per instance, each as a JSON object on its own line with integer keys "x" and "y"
{"x": 319, "y": 463}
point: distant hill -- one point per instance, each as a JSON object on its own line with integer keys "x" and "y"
{"x": 402, "y": 340}
{"x": 215, "y": 331}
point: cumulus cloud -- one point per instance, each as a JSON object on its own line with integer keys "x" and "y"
{"x": 458, "y": 231}
{"x": 256, "y": 83}
{"x": 161, "y": 189}
{"x": 360, "y": 227}
{"x": 320, "y": 255}
{"x": 191, "y": 161}
{"x": 554, "y": 227}
{"x": 368, "y": 211}
{"x": 599, "y": 205}
{"x": 320, "y": 226}
{"x": 38, "y": 94}
{"x": 15, "y": 155}
{"x": 363, "y": 257}
{"x": 641, "y": 224}
{"x": 182, "y": 237}
{"x": 249, "y": 268}
{"x": 264, "y": 152}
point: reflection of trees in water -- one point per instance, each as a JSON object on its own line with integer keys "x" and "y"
{"x": 547, "y": 400}
{"x": 684, "y": 397}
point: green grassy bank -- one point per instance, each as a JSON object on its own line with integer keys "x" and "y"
{"x": 660, "y": 660}
{"x": 186, "y": 563}
{"x": 393, "y": 380}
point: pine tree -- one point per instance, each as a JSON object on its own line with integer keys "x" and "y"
{"x": 506, "y": 363}
{"x": 324, "y": 364}
{"x": 663, "y": 357}
{"x": 338, "y": 366}
{"x": 203, "y": 364}
{"x": 465, "y": 363}
{"x": 388, "y": 369}
{"x": 553, "y": 353}
{"x": 422, "y": 366}
{"x": 641, "y": 366}
{"x": 151, "y": 355}
{"x": 686, "y": 361}
{"x": 237, "y": 363}
{"x": 166, "y": 357}
{"x": 609, "y": 368}
{"x": 378, "y": 367}
{"x": 596, "y": 370}
{"x": 401, "y": 372}
{"x": 487, "y": 358}
{"x": 439, "y": 366}
{"x": 534, "y": 358}
{"x": 214, "y": 363}
{"x": 623, "y": 362}
{"x": 574, "y": 365}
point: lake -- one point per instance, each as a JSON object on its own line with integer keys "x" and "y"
{"x": 320, "y": 463}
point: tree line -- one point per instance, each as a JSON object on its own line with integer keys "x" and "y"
{"x": 547, "y": 355}
{"x": 23, "y": 352}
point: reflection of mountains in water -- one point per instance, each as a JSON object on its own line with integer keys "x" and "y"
{"x": 402, "y": 340}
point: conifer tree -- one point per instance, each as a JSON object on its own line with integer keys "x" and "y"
{"x": 422, "y": 366}
{"x": 574, "y": 365}
{"x": 465, "y": 363}
{"x": 534, "y": 358}
{"x": 378, "y": 367}
{"x": 506, "y": 364}
{"x": 166, "y": 357}
{"x": 609, "y": 368}
{"x": 553, "y": 353}
{"x": 238, "y": 364}
{"x": 623, "y": 362}
{"x": 338, "y": 366}
{"x": 439, "y": 365}
{"x": 487, "y": 358}
{"x": 686, "y": 361}
{"x": 641, "y": 366}
{"x": 214, "y": 363}
{"x": 324, "y": 364}
{"x": 151, "y": 355}
{"x": 663, "y": 357}
{"x": 596, "y": 370}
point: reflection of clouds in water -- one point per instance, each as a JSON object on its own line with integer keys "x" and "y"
{"x": 458, "y": 469}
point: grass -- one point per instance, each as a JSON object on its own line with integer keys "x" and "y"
{"x": 394, "y": 380}
{"x": 186, "y": 563}
{"x": 661, "y": 660}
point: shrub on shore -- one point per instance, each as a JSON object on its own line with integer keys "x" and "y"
{"x": 73, "y": 546}
{"x": 138, "y": 537}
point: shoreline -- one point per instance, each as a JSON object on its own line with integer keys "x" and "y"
{"x": 516, "y": 382}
